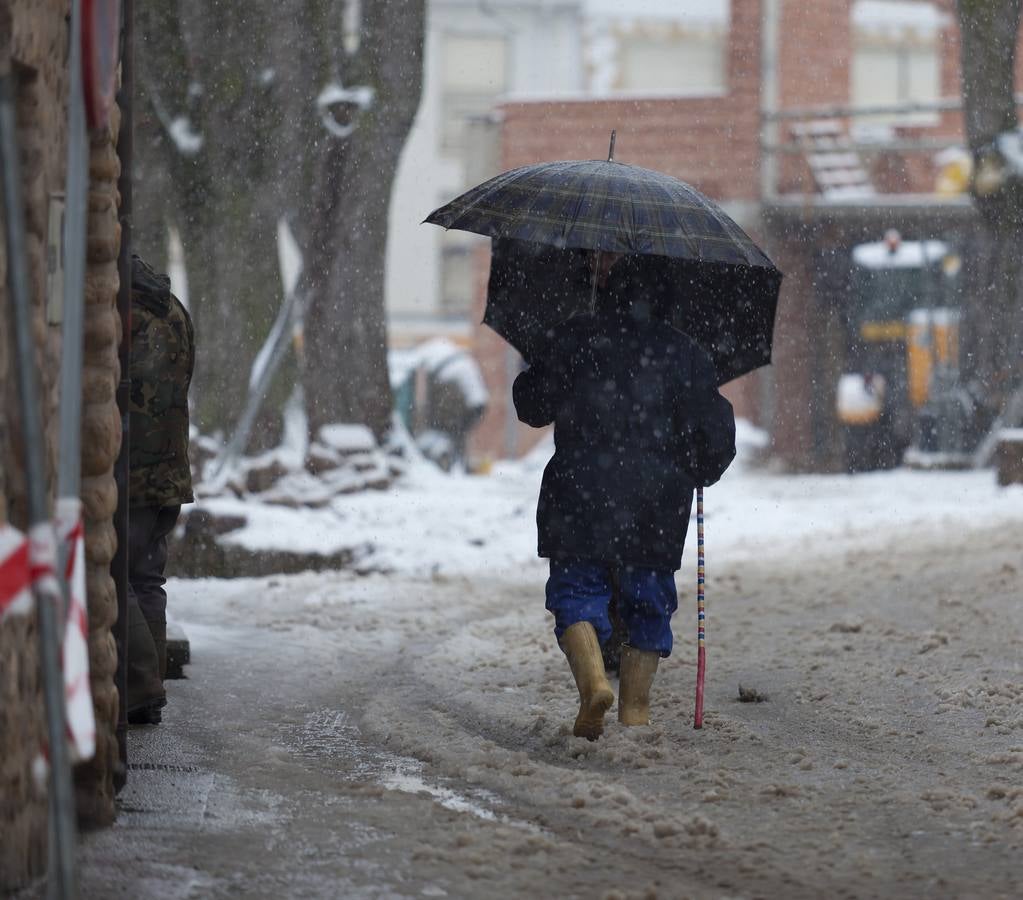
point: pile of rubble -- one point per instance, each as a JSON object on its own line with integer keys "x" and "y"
{"x": 345, "y": 459}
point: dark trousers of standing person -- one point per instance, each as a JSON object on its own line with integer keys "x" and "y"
{"x": 148, "y": 529}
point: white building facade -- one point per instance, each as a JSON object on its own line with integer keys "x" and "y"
{"x": 481, "y": 51}
{"x": 476, "y": 52}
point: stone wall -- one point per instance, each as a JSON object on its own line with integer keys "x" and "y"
{"x": 34, "y": 45}
{"x": 33, "y": 39}
{"x": 101, "y": 440}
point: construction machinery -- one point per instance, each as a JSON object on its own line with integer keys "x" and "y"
{"x": 900, "y": 399}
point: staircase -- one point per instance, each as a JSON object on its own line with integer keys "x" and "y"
{"x": 837, "y": 172}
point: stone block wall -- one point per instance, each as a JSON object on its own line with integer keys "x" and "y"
{"x": 34, "y": 47}
{"x": 101, "y": 440}
{"x": 33, "y": 42}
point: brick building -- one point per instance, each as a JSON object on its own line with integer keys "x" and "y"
{"x": 34, "y": 49}
{"x": 755, "y": 146}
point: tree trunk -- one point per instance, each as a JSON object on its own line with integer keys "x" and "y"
{"x": 346, "y": 376}
{"x": 992, "y": 358}
{"x": 244, "y": 80}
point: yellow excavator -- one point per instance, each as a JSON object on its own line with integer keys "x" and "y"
{"x": 899, "y": 399}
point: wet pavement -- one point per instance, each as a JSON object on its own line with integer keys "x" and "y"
{"x": 254, "y": 787}
{"x": 411, "y": 737}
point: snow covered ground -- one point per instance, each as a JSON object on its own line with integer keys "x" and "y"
{"x": 461, "y": 524}
{"x": 407, "y": 733}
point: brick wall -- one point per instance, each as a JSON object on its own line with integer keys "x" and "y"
{"x": 815, "y": 53}
{"x": 710, "y": 142}
{"x": 713, "y": 143}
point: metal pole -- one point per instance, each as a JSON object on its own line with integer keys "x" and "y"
{"x": 836, "y": 111}
{"x": 277, "y": 344}
{"x": 918, "y": 145}
{"x": 119, "y": 566}
{"x": 62, "y": 882}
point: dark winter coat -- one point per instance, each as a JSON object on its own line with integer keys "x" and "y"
{"x": 638, "y": 424}
{"x": 162, "y": 360}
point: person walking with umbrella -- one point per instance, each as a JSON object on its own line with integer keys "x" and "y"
{"x": 638, "y": 425}
{"x": 593, "y": 262}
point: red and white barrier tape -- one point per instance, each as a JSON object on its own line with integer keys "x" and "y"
{"x": 81, "y": 722}
{"x": 28, "y": 563}
{"x": 15, "y": 585}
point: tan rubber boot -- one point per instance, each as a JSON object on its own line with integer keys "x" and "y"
{"x": 637, "y": 675}
{"x": 595, "y": 696}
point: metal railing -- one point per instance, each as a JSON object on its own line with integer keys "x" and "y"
{"x": 772, "y": 146}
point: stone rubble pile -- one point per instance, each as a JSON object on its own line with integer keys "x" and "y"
{"x": 344, "y": 459}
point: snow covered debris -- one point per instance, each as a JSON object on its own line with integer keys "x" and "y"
{"x": 465, "y": 373}
{"x": 1010, "y": 145}
{"x": 447, "y": 363}
{"x": 348, "y": 438}
{"x": 860, "y": 399}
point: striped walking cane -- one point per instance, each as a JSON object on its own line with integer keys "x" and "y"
{"x": 701, "y": 615}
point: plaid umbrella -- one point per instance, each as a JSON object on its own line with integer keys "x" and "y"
{"x": 720, "y": 287}
{"x": 684, "y": 254}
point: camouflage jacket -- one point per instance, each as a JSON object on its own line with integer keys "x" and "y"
{"x": 162, "y": 360}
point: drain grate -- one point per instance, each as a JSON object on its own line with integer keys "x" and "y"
{"x": 160, "y": 767}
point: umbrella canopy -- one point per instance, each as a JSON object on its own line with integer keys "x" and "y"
{"x": 715, "y": 283}
{"x": 728, "y": 310}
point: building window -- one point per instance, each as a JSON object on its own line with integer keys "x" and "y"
{"x": 671, "y": 60}
{"x": 474, "y": 75}
{"x": 666, "y": 47}
{"x": 896, "y": 56}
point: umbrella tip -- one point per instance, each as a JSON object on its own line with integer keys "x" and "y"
{"x": 611, "y": 149}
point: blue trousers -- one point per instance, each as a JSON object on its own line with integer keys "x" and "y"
{"x": 580, "y": 590}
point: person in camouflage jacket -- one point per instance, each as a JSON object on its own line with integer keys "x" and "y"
{"x": 160, "y": 479}
{"x": 162, "y": 360}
